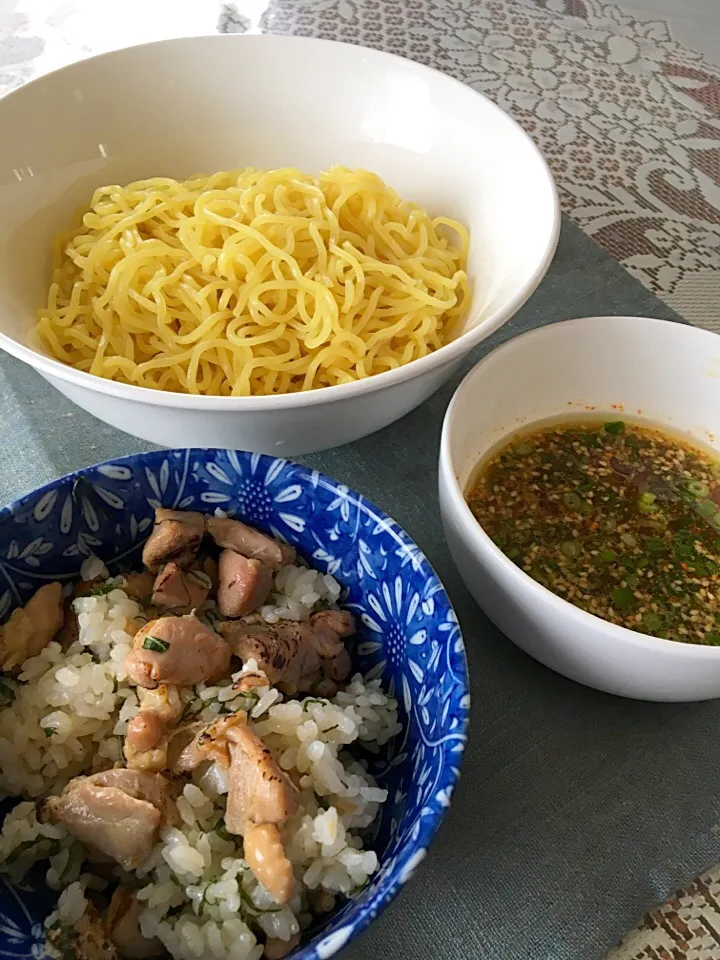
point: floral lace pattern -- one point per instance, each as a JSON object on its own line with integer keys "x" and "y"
{"x": 628, "y": 118}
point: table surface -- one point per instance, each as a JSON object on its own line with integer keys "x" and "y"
{"x": 577, "y": 811}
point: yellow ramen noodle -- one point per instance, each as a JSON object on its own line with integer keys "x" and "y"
{"x": 253, "y": 282}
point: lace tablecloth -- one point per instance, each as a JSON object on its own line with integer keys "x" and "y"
{"x": 628, "y": 119}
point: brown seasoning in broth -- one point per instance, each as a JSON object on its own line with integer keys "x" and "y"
{"x": 621, "y": 519}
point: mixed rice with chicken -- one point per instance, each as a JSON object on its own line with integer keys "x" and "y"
{"x": 180, "y": 738}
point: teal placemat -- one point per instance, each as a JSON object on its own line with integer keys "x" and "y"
{"x": 577, "y": 811}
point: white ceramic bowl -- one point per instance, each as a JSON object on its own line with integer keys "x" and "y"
{"x": 209, "y": 103}
{"x": 668, "y": 373}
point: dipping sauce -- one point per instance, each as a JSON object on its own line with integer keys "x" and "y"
{"x": 621, "y": 519}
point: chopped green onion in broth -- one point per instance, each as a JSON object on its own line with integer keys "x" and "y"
{"x": 617, "y": 517}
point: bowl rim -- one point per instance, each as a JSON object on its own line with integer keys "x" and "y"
{"x": 448, "y": 353}
{"x": 359, "y": 916}
{"x": 485, "y": 547}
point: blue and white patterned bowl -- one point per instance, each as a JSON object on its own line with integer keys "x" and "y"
{"x": 409, "y": 634}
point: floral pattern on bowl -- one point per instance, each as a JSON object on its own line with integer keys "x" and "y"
{"x": 409, "y": 633}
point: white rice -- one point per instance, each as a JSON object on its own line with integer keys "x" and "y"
{"x": 297, "y": 592}
{"x": 201, "y": 898}
{"x": 92, "y": 568}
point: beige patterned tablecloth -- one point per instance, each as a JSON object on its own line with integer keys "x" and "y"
{"x": 685, "y": 927}
{"x": 628, "y": 118}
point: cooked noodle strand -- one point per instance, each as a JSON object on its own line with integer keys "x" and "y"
{"x": 254, "y": 282}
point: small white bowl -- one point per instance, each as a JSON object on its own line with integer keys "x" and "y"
{"x": 667, "y": 373}
{"x": 198, "y": 104}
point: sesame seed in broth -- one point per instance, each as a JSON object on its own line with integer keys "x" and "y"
{"x": 620, "y": 518}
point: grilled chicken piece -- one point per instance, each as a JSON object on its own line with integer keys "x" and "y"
{"x": 180, "y": 590}
{"x": 31, "y": 628}
{"x": 265, "y": 855}
{"x": 87, "y": 939}
{"x": 176, "y": 536}
{"x": 138, "y": 586}
{"x": 250, "y": 681}
{"x": 283, "y": 650}
{"x": 238, "y": 536}
{"x": 244, "y": 585}
{"x": 109, "y": 820}
{"x": 276, "y": 949}
{"x": 258, "y": 790}
{"x": 328, "y": 628}
{"x": 123, "y": 927}
{"x": 177, "y": 650}
{"x": 292, "y": 654}
{"x": 146, "y": 742}
{"x": 182, "y": 753}
{"x": 341, "y": 622}
{"x": 116, "y": 812}
{"x": 164, "y": 701}
{"x": 160, "y": 791}
{"x": 144, "y": 733}
{"x": 209, "y": 743}
{"x": 45, "y": 611}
